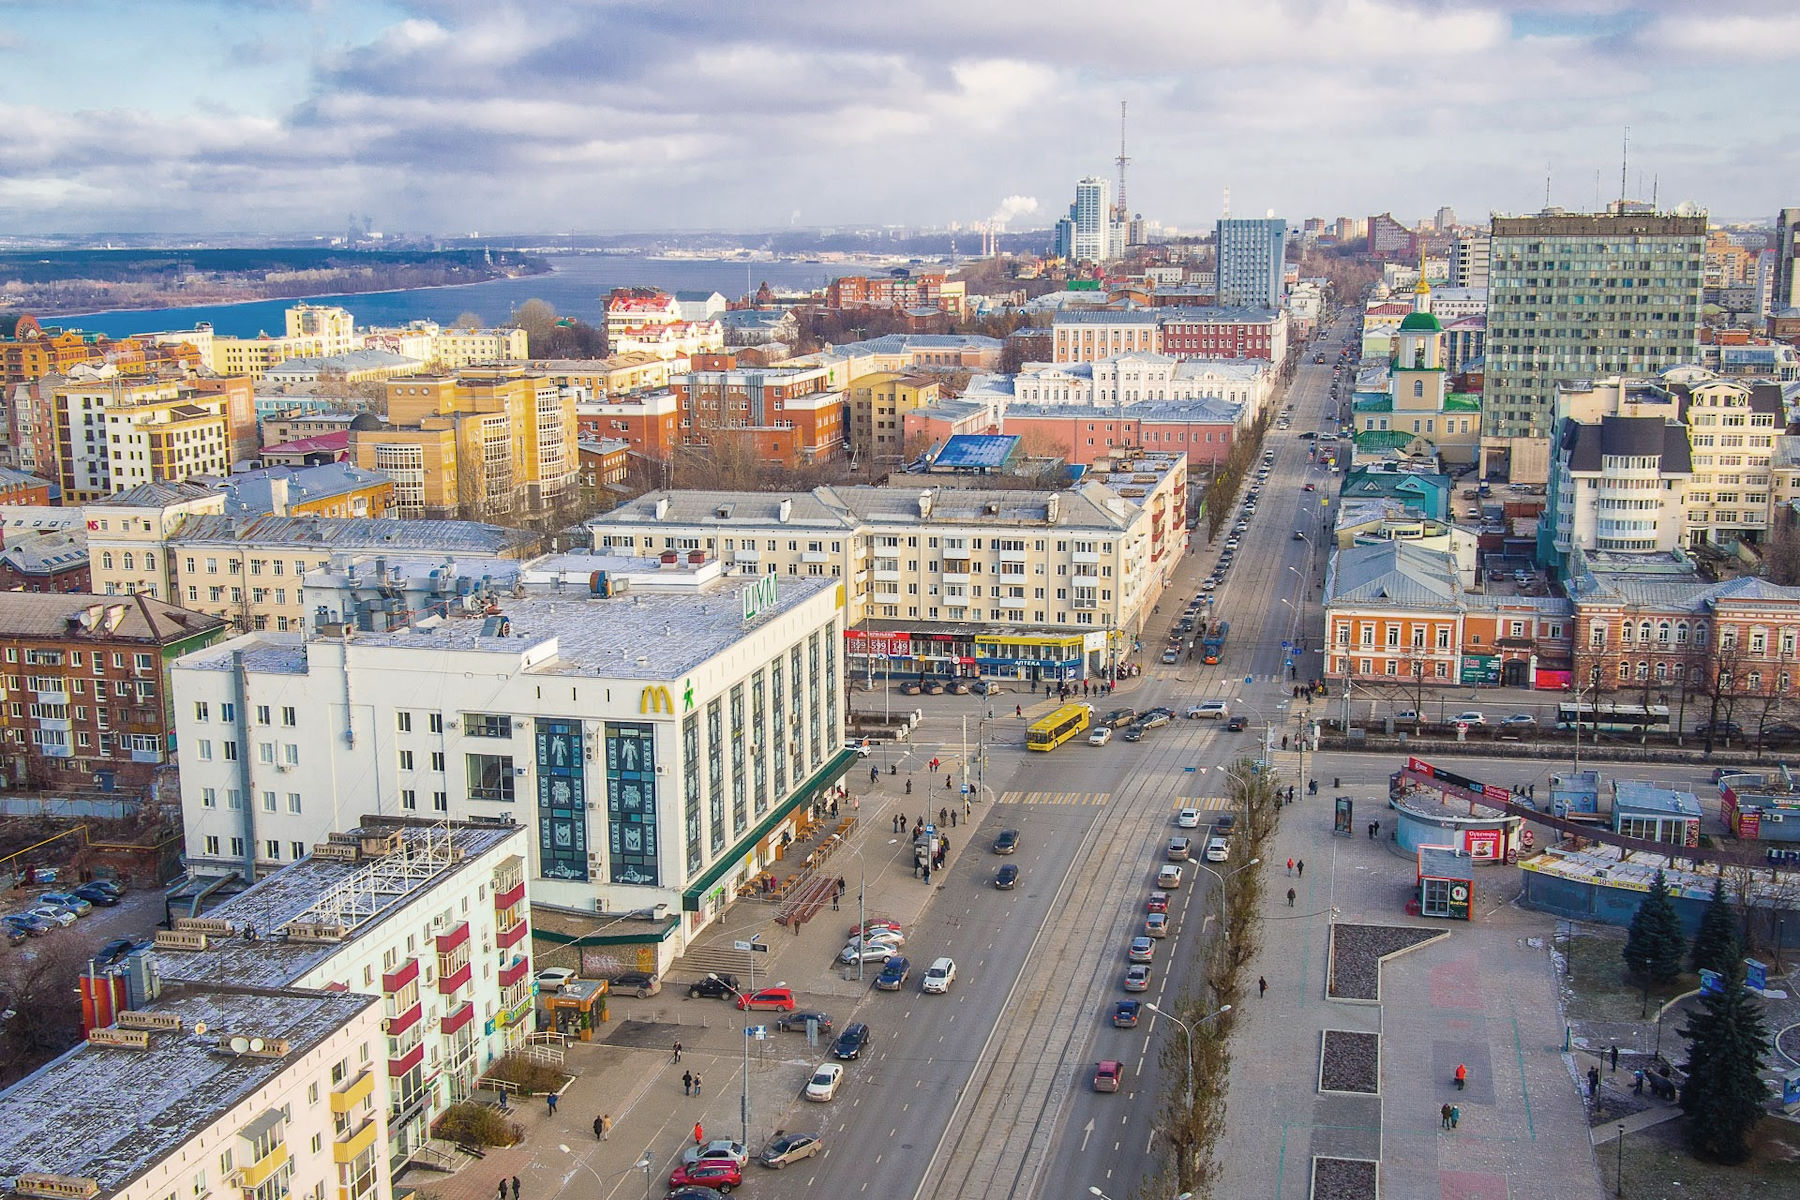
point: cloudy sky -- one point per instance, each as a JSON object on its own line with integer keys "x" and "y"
{"x": 603, "y": 115}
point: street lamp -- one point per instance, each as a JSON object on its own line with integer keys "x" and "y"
{"x": 744, "y": 1097}
{"x": 1188, "y": 1034}
{"x": 1224, "y": 923}
{"x": 1094, "y": 1191}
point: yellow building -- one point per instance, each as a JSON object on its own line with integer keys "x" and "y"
{"x": 616, "y": 375}
{"x": 479, "y": 444}
{"x": 114, "y": 434}
{"x": 313, "y": 331}
{"x": 878, "y": 407}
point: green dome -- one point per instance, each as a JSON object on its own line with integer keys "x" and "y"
{"x": 1421, "y": 322}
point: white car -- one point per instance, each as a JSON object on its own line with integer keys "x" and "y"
{"x": 824, "y": 1083}
{"x": 1100, "y": 736}
{"x": 862, "y": 749}
{"x": 56, "y": 916}
{"x": 939, "y": 976}
{"x": 1469, "y": 718}
{"x": 1188, "y": 818}
{"x": 1214, "y": 710}
{"x": 554, "y": 979}
{"x": 1217, "y": 849}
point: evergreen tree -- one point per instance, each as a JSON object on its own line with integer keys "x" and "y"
{"x": 1715, "y": 942}
{"x": 1653, "y": 946}
{"x": 1724, "y": 1098}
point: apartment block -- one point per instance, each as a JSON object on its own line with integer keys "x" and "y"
{"x": 1146, "y": 378}
{"x": 1258, "y": 333}
{"x": 112, "y": 435}
{"x": 1584, "y": 296}
{"x": 1252, "y": 253}
{"x": 1087, "y": 335}
{"x": 655, "y": 727}
{"x": 790, "y": 415}
{"x": 1732, "y": 428}
{"x": 878, "y": 406}
{"x": 313, "y": 331}
{"x": 1621, "y": 472}
{"x": 650, "y": 422}
{"x": 87, "y": 700}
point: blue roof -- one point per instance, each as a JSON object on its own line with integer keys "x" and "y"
{"x": 974, "y": 451}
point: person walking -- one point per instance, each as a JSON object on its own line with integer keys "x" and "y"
{"x": 697, "y": 1074}
{"x": 909, "y": 785}
{"x": 699, "y": 1135}
{"x": 1455, "y": 1115}
{"x": 515, "y": 1185}
{"x": 1262, "y": 987}
{"x": 968, "y": 810}
{"x": 1444, "y": 1113}
{"x": 687, "y": 1083}
{"x": 1593, "y": 1082}
{"x": 502, "y": 1189}
{"x": 1300, "y": 867}
{"x": 1290, "y": 866}
{"x": 1290, "y": 897}
{"x": 1019, "y": 711}
{"x": 953, "y": 818}
{"x": 550, "y": 1099}
{"x": 677, "y": 1057}
{"x": 943, "y": 816}
{"x": 602, "y": 1126}
{"x": 1615, "y": 1057}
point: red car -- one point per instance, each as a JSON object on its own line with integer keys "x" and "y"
{"x": 719, "y": 1174}
{"x": 1158, "y": 903}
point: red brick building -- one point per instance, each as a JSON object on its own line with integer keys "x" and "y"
{"x": 1225, "y": 333}
{"x": 50, "y": 561}
{"x": 17, "y": 487}
{"x": 87, "y": 686}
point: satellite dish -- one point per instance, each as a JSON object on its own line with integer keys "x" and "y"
{"x": 239, "y": 1045}
{"x": 199, "y": 1028}
{"x": 256, "y": 1045}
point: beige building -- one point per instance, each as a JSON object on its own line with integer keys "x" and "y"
{"x": 878, "y": 407}
{"x": 1732, "y": 428}
{"x": 114, "y": 434}
{"x": 128, "y": 535}
{"x": 313, "y": 331}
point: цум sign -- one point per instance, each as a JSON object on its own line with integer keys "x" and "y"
{"x": 758, "y": 596}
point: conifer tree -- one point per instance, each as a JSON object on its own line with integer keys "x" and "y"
{"x": 1654, "y": 944}
{"x": 1715, "y": 942}
{"x": 1724, "y": 1098}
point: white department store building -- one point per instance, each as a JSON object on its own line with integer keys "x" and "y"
{"x": 654, "y": 723}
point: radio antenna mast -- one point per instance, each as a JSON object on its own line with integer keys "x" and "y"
{"x": 1124, "y": 213}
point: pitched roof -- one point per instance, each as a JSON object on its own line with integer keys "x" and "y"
{"x": 1394, "y": 573}
{"x": 83, "y": 617}
{"x": 153, "y": 495}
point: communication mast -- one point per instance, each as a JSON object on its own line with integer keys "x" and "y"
{"x": 1122, "y": 212}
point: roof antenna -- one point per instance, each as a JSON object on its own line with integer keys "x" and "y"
{"x": 1624, "y": 158}
{"x": 1546, "y": 187}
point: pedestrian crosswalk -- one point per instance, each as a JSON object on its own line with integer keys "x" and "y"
{"x": 1205, "y": 803}
{"x": 1055, "y": 797}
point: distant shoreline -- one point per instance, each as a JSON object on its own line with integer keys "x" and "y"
{"x": 389, "y": 291}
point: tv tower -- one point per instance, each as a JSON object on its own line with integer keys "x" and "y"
{"x": 1122, "y": 211}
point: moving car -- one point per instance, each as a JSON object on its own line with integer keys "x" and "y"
{"x": 1210, "y": 710}
{"x": 641, "y": 984}
{"x": 1141, "y": 950}
{"x": 779, "y": 998}
{"x": 939, "y": 976}
{"x": 1135, "y": 733}
{"x": 893, "y": 974}
{"x": 717, "y": 986}
{"x": 1007, "y": 878}
{"x": 850, "y": 1043}
{"x": 824, "y": 1083}
{"x": 1099, "y": 736}
{"x": 1518, "y": 719}
{"x": 1125, "y": 1014}
{"x": 1217, "y": 849}
{"x": 719, "y": 1174}
{"x": 1157, "y": 903}
{"x": 1168, "y": 876}
{"x": 1156, "y": 718}
{"x": 1188, "y": 818}
{"x": 1179, "y": 849}
{"x": 554, "y": 979}
{"x": 717, "y": 1150}
{"x": 862, "y": 749}
{"x": 1006, "y": 842}
{"x": 1118, "y": 718}
{"x": 789, "y": 1148}
{"x": 1236, "y": 725}
{"x": 797, "y": 1021}
{"x": 1171, "y": 656}
{"x": 1469, "y": 718}
{"x": 1137, "y": 978}
{"x": 1107, "y": 1074}
{"x": 1156, "y": 925}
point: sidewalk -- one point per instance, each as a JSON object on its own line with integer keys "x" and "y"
{"x": 628, "y": 1072}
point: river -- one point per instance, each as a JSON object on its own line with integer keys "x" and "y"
{"x": 577, "y": 287}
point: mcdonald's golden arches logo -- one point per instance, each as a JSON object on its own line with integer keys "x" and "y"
{"x": 656, "y": 699}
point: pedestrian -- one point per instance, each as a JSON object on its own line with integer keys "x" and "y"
{"x": 602, "y": 1124}
{"x": 1373, "y": 826}
{"x": 1444, "y": 1112}
{"x": 677, "y": 1057}
{"x": 943, "y": 816}
{"x": 687, "y": 1083}
{"x": 1593, "y": 1081}
{"x": 968, "y": 809}
{"x": 953, "y": 818}
{"x": 927, "y": 874}
{"x": 697, "y": 1074}
{"x": 550, "y": 1099}
{"x": 1290, "y": 866}
{"x": 1615, "y": 1057}
{"x": 1300, "y": 867}
{"x": 515, "y": 1185}
{"x": 1019, "y": 711}
{"x": 1455, "y": 1115}
{"x": 1262, "y": 987}
{"x": 1290, "y": 897}
{"x": 909, "y": 785}
{"x": 947, "y": 780}
{"x": 699, "y": 1134}
{"x": 502, "y": 1189}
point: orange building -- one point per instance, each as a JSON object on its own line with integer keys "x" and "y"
{"x": 649, "y": 424}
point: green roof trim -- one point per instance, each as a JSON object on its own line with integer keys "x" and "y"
{"x": 1462, "y": 402}
{"x": 1375, "y": 404}
{"x": 834, "y": 769}
{"x": 1421, "y": 322}
{"x": 1384, "y": 439}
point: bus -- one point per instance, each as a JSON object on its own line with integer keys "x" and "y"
{"x": 1613, "y": 718}
{"x": 1214, "y": 643}
{"x": 1047, "y": 733}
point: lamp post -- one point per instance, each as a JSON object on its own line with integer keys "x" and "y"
{"x": 1187, "y": 1034}
{"x": 744, "y": 1096}
{"x": 1224, "y": 923}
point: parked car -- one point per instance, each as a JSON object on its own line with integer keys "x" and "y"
{"x": 789, "y": 1148}
{"x": 958, "y": 687}
{"x": 1107, "y": 1074}
{"x": 1727, "y": 729}
{"x": 1007, "y": 878}
{"x": 68, "y": 900}
{"x": 797, "y": 1021}
{"x": 1518, "y": 720}
{"x": 1137, "y": 978}
{"x": 104, "y": 897}
{"x": 717, "y": 986}
{"x": 54, "y": 914}
{"x": 641, "y": 984}
{"x": 989, "y": 687}
{"x": 933, "y": 687}
{"x": 554, "y": 979}
{"x": 779, "y": 998}
{"x": 717, "y": 1150}
{"x": 1408, "y": 716}
{"x": 1471, "y": 717}
{"x": 873, "y": 952}
{"x": 939, "y": 976}
{"x": 32, "y": 925}
{"x": 14, "y": 934}
{"x": 824, "y": 1083}
{"x": 889, "y": 934}
{"x": 893, "y": 974}
{"x": 719, "y": 1174}
{"x": 850, "y": 1043}
{"x": 1782, "y": 734}
{"x": 1007, "y": 842}
{"x": 1141, "y": 950}
{"x": 1125, "y": 1014}
{"x": 876, "y": 923}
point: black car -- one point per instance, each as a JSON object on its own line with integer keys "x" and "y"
{"x": 1224, "y": 824}
{"x": 850, "y": 1043}
{"x": 1007, "y": 841}
{"x": 1236, "y": 724}
{"x": 1135, "y": 733}
{"x": 1774, "y": 735}
{"x": 1728, "y": 729}
{"x": 1007, "y": 878}
{"x": 798, "y": 1020}
{"x": 725, "y": 987}
{"x": 104, "y": 897}
{"x": 114, "y": 950}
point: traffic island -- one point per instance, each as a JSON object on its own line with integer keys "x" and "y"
{"x": 1350, "y": 1062}
{"x": 1345, "y": 1179}
{"x": 1357, "y": 952}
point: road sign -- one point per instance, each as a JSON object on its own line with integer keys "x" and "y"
{"x": 753, "y": 947}
{"x": 758, "y": 1032}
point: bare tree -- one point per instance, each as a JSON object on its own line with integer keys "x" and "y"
{"x": 38, "y": 982}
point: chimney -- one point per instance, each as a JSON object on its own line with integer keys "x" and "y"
{"x": 925, "y": 505}
{"x": 785, "y": 511}
{"x": 662, "y": 507}
{"x": 278, "y": 495}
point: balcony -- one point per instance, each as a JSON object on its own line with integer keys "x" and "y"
{"x": 956, "y": 577}
{"x": 1017, "y": 556}
{"x": 815, "y": 556}
{"x": 398, "y": 1024}
{"x": 347, "y": 1097}
{"x": 509, "y": 895}
{"x": 887, "y": 576}
{"x": 356, "y": 1142}
{"x": 1009, "y": 602}
{"x": 61, "y": 724}
{"x": 513, "y": 934}
{"x": 448, "y": 985}
{"x": 1085, "y": 579}
{"x": 1085, "y": 556}
{"x": 252, "y": 1175}
{"x": 406, "y": 1062}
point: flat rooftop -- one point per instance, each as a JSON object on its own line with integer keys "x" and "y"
{"x": 361, "y": 894}
{"x": 175, "y": 1088}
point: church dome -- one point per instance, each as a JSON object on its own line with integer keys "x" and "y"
{"x": 365, "y": 422}
{"x": 1421, "y": 322}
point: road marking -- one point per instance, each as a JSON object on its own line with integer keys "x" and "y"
{"x": 1056, "y": 797}
{"x": 1205, "y": 803}
{"x": 1087, "y": 1131}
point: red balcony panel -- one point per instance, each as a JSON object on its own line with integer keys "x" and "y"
{"x": 511, "y": 896}
{"x": 456, "y": 1020}
{"x": 512, "y": 937}
{"x": 449, "y": 983}
{"x": 396, "y": 1025}
{"x": 393, "y": 981}
{"x": 446, "y": 942}
{"x": 514, "y": 971}
{"x": 400, "y": 1066}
